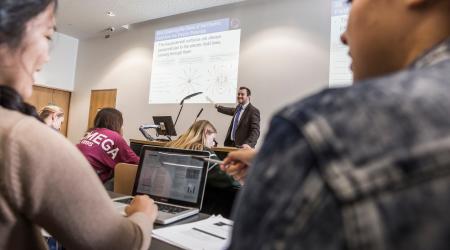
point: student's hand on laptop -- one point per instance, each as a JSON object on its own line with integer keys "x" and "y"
{"x": 143, "y": 203}
{"x": 237, "y": 163}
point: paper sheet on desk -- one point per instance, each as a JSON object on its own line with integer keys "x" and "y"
{"x": 209, "y": 234}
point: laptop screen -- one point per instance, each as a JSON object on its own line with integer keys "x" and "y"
{"x": 171, "y": 175}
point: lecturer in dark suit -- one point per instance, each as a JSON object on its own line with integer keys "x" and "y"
{"x": 244, "y": 127}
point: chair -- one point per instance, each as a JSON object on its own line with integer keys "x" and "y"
{"x": 124, "y": 176}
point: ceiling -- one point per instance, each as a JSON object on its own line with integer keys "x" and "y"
{"x": 87, "y": 18}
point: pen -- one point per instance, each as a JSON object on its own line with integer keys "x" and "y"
{"x": 211, "y": 234}
{"x": 207, "y": 159}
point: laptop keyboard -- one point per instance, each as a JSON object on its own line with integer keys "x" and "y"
{"x": 170, "y": 209}
{"x": 161, "y": 207}
{"x": 125, "y": 201}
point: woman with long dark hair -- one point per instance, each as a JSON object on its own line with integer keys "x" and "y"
{"x": 104, "y": 147}
{"x": 45, "y": 182}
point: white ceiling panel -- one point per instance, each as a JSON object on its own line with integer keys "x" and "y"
{"x": 87, "y": 18}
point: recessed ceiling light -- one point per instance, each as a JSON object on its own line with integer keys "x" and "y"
{"x": 127, "y": 27}
{"x": 110, "y": 13}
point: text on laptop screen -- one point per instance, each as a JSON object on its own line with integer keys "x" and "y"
{"x": 170, "y": 175}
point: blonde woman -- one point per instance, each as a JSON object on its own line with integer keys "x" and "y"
{"x": 53, "y": 116}
{"x": 220, "y": 187}
{"x": 200, "y": 136}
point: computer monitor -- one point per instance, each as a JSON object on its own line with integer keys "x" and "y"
{"x": 166, "y": 126}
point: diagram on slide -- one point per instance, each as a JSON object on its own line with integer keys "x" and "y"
{"x": 201, "y": 57}
{"x": 221, "y": 79}
{"x": 188, "y": 81}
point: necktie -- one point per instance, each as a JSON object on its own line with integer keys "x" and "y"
{"x": 235, "y": 122}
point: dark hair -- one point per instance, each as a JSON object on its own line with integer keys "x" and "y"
{"x": 109, "y": 118}
{"x": 249, "y": 93}
{"x": 14, "y": 15}
{"x": 10, "y": 99}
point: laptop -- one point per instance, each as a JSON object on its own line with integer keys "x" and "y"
{"x": 173, "y": 179}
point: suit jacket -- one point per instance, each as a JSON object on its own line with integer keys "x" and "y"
{"x": 247, "y": 131}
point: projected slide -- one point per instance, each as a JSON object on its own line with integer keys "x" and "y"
{"x": 198, "y": 57}
{"x": 340, "y": 73}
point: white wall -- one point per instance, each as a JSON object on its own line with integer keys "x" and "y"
{"x": 60, "y": 71}
{"x": 284, "y": 56}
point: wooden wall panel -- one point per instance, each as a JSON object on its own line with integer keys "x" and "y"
{"x": 105, "y": 98}
{"x": 62, "y": 99}
{"x": 43, "y": 96}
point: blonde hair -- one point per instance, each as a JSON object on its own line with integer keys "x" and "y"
{"x": 50, "y": 109}
{"x": 195, "y": 137}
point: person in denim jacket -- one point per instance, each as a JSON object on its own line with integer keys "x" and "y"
{"x": 362, "y": 167}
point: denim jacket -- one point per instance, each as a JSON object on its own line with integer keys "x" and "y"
{"x": 363, "y": 167}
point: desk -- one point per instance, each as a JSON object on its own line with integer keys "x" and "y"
{"x": 161, "y": 245}
{"x": 136, "y": 146}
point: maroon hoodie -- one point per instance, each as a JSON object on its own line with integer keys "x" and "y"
{"x": 104, "y": 148}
